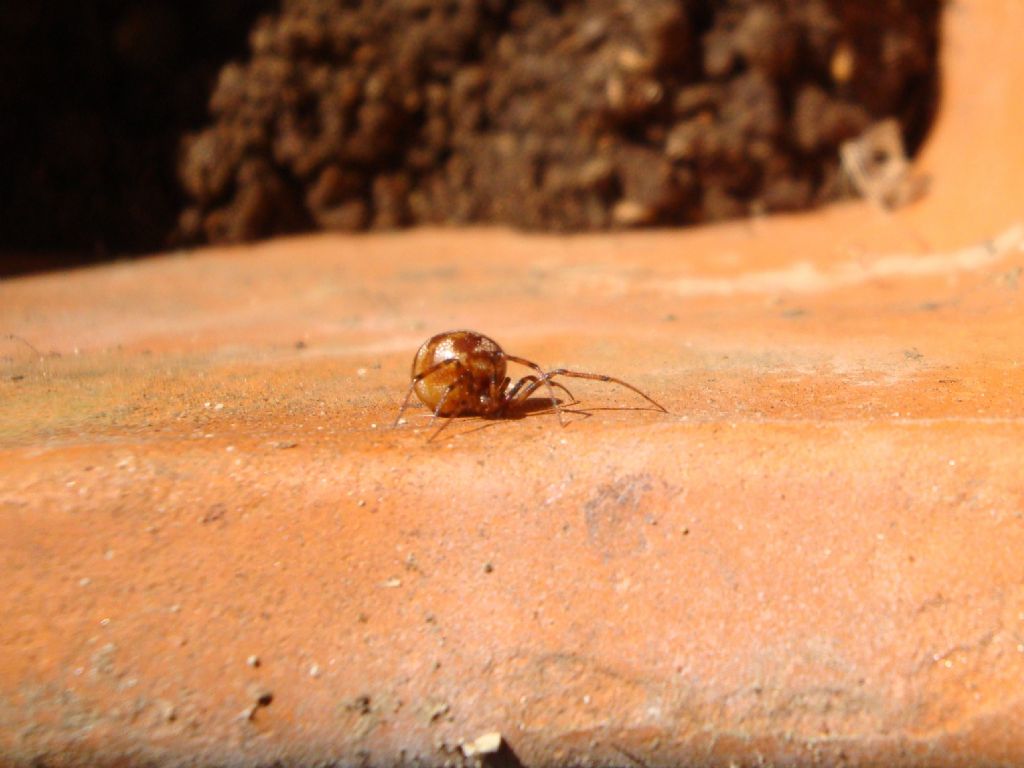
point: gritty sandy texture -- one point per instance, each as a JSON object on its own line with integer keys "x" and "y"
{"x": 787, "y": 564}
{"x": 216, "y": 551}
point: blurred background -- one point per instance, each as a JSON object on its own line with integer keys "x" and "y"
{"x": 131, "y": 127}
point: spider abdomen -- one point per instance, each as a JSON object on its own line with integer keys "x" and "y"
{"x": 459, "y": 373}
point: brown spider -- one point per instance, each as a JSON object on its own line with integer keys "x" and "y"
{"x": 462, "y": 373}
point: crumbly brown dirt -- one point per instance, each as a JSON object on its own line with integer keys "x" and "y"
{"x": 564, "y": 116}
{"x": 545, "y": 115}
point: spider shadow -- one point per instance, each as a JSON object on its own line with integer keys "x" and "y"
{"x": 534, "y": 406}
{"x": 541, "y": 406}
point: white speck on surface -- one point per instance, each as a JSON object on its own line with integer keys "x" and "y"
{"x": 85, "y": 581}
{"x": 393, "y": 583}
{"x": 314, "y": 670}
{"x": 253, "y": 661}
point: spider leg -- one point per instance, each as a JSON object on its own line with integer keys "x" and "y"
{"x": 440, "y": 405}
{"x": 441, "y": 429}
{"x": 16, "y": 337}
{"x": 603, "y": 377}
{"x": 497, "y": 389}
{"x": 444, "y": 399}
{"x": 416, "y": 380}
{"x": 544, "y": 377}
{"x": 528, "y": 385}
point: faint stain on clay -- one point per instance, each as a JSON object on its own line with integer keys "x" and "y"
{"x": 617, "y": 514}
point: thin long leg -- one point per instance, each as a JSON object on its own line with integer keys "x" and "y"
{"x": 514, "y": 398}
{"x": 16, "y": 337}
{"x": 444, "y": 399}
{"x": 417, "y": 379}
{"x": 544, "y": 378}
{"x": 596, "y": 377}
{"x": 440, "y": 406}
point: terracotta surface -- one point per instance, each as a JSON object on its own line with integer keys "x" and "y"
{"x": 216, "y": 550}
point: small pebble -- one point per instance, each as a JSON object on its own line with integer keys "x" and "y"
{"x": 487, "y": 744}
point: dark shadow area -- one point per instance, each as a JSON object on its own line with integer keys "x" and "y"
{"x": 505, "y": 757}
{"x": 95, "y": 97}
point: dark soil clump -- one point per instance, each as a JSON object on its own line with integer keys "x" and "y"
{"x": 560, "y": 115}
{"x": 564, "y": 116}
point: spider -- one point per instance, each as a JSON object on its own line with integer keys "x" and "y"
{"x": 462, "y": 373}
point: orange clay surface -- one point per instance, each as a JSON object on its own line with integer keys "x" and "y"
{"x": 216, "y": 550}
